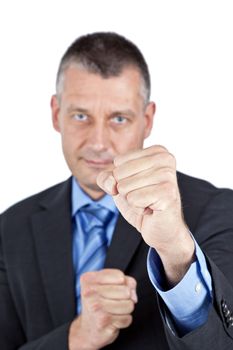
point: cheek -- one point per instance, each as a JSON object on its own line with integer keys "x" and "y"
{"x": 131, "y": 140}
{"x": 70, "y": 148}
{"x": 72, "y": 138}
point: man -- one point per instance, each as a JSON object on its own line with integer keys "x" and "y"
{"x": 74, "y": 261}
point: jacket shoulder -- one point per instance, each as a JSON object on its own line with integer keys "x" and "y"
{"x": 31, "y": 204}
{"x": 197, "y": 194}
{"x": 194, "y": 187}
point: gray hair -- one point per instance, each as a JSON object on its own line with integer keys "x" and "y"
{"x": 106, "y": 54}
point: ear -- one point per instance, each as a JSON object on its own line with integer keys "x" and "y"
{"x": 55, "y": 109}
{"x": 149, "y": 118}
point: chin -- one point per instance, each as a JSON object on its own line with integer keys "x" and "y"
{"x": 92, "y": 189}
{"x": 88, "y": 181}
{"x": 86, "y": 178}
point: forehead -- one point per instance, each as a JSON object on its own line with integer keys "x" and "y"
{"x": 80, "y": 84}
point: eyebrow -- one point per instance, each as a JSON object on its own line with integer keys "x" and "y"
{"x": 73, "y": 108}
{"x": 123, "y": 112}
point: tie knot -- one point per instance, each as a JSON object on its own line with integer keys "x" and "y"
{"x": 96, "y": 215}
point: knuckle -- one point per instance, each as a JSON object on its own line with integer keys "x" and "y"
{"x": 121, "y": 188}
{"x": 168, "y": 187}
{"x": 118, "y": 160}
{"x": 169, "y": 174}
{"x": 117, "y": 273}
{"x": 131, "y": 282}
{"x": 120, "y": 274}
{"x": 171, "y": 190}
{"x": 128, "y": 320}
{"x": 162, "y": 148}
{"x": 103, "y": 321}
{"x": 86, "y": 291}
{"x": 87, "y": 279}
{"x": 131, "y": 306}
{"x": 131, "y": 198}
{"x": 84, "y": 279}
{"x": 155, "y": 158}
{"x": 86, "y": 276}
{"x": 171, "y": 159}
{"x": 95, "y": 306}
{"x": 158, "y": 148}
{"x": 124, "y": 322}
{"x": 126, "y": 292}
{"x": 116, "y": 173}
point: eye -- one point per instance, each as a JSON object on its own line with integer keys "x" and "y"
{"x": 119, "y": 119}
{"x": 80, "y": 117}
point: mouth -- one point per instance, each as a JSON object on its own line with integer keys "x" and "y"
{"x": 98, "y": 163}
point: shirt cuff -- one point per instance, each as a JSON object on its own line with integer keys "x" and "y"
{"x": 196, "y": 286}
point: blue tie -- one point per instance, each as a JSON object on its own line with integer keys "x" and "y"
{"x": 94, "y": 220}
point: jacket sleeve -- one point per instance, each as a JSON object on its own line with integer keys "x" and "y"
{"x": 12, "y": 334}
{"x": 57, "y": 339}
{"x": 214, "y": 234}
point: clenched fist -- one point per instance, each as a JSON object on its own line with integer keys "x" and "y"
{"x": 108, "y": 298}
{"x": 144, "y": 186}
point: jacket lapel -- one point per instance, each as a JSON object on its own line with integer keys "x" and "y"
{"x": 126, "y": 239}
{"x": 52, "y": 232}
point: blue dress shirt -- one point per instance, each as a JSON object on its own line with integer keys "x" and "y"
{"x": 80, "y": 199}
{"x": 189, "y": 301}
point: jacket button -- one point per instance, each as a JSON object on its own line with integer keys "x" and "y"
{"x": 227, "y": 313}
{"x": 230, "y": 321}
{"x": 224, "y": 305}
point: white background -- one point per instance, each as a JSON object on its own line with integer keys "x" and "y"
{"x": 188, "y": 46}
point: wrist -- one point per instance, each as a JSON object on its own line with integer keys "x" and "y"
{"x": 177, "y": 257}
{"x": 77, "y": 338}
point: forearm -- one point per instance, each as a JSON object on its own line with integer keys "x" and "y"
{"x": 77, "y": 340}
{"x": 196, "y": 285}
{"x": 177, "y": 257}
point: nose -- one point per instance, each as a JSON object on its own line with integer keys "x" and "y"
{"x": 99, "y": 136}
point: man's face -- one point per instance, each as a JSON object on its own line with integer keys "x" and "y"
{"x": 99, "y": 119}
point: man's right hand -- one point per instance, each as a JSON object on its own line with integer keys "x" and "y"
{"x": 108, "y": 299}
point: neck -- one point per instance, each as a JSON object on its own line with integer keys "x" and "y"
{"x": 95, "y": 193}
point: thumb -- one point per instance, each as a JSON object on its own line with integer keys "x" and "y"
{"x": 107, "y": 182}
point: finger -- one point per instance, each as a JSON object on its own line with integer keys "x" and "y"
{"x": 121, "y": 322}
{"x": 115, "y": 292}
{"x": 107, "y": 182}
{"x": 105, "y": 276}
{"x": 146, "y": 178}
{"x": 132, "y": 214}
{"x": 117, "y": 307}
{"x": 132, "y": 284}
{"x": 154, "y": 161}
{"x": 121, "y": 159}
{"x": 156, "y": 197}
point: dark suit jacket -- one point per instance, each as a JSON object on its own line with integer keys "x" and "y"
{"x": 37, "y": 295}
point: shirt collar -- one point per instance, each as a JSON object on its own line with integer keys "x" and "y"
{"x": 80, "y": 198}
